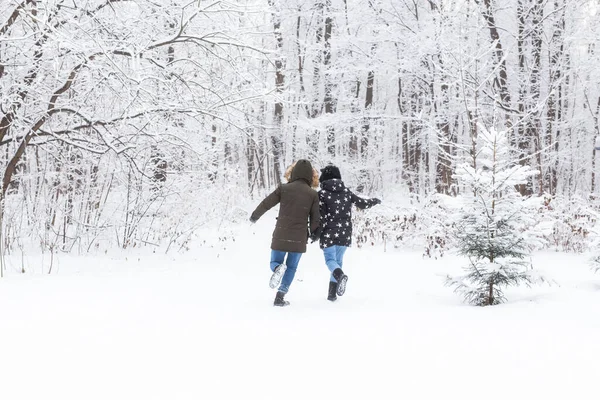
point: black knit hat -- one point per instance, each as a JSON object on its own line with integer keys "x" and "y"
{"x": 330, "y": 172}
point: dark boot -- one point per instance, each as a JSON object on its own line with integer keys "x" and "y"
{"x": 332, "y": 290}
{"x": 279, "y": 301}
{"x": 341, "y": 279}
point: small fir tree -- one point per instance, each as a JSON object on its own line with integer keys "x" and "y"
{"x": 492, "y": 224}
{"x": 595, "y": 263}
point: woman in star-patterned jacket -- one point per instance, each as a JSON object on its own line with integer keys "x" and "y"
{"x": 335, "y": 207}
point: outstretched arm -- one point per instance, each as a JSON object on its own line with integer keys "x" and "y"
{"x": 269, "y": 202}
{"x": 364, "y": 203}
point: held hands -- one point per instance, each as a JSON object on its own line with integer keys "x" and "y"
{"x": 376, "y": 201}
{"x": 314, "y": 236}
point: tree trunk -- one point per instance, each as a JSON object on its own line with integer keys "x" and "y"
{"x": 2, "y": 260}
{"x": 354, "y": 110}
{"x": 329, "y": 100}
{"x": 500, "y": 83}
{"x": 522, "y": 127}
{"x": 364, "y": 142}
{"x": 446, "y": 141}
{"x": 554, "y": 109}
{"x": 529, "y": 45}
{"x": 491, "y": 294}
{"x": 535, "y": 126}
{"x": 279, "y": 86}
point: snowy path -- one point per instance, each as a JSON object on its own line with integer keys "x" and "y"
{"x": 196, "y": 326}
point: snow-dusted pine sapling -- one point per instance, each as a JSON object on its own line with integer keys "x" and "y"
{"x": 494, "y": 223}
{"x": 595, "y": 263}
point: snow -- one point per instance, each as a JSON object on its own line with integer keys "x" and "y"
{"x": 201, "y": 325}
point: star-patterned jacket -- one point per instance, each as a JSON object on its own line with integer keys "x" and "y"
{"x": 335, "y": 206}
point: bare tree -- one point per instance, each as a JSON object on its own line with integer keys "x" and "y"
{"x": 84, "y": 79}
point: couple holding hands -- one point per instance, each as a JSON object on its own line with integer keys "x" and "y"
{"x": 329, "y": 216}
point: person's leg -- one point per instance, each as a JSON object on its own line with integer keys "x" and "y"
{"x": 331, "y": 260}
{"x": 339, "y": 255}
{"x": 280, "y": 301}
{"x": 277, "y": 258}
{"x": 332, "y": 291}
{"x": 292, "y": 261}
{"x": 338, "y": 274}
{"x": 277, "y": 267}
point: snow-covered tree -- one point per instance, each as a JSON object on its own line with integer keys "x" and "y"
{"x": 494, "y": 223}
{"x": 108, "y": 107}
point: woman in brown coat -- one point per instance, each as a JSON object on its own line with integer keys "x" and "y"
{"x": 298, "y": 203}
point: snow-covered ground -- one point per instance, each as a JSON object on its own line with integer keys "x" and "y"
{"x": 201, "y": 325}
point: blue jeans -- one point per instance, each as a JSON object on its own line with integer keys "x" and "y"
{"x": 334, "y": 258}
{"x": 277, "y": 257}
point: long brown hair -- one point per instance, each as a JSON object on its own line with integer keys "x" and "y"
{"x": 315, "y": 177}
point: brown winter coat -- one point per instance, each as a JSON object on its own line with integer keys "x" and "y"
{"x": 298, "y": 203}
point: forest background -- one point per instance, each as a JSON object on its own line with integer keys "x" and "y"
{"x": 139, "y": 124}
